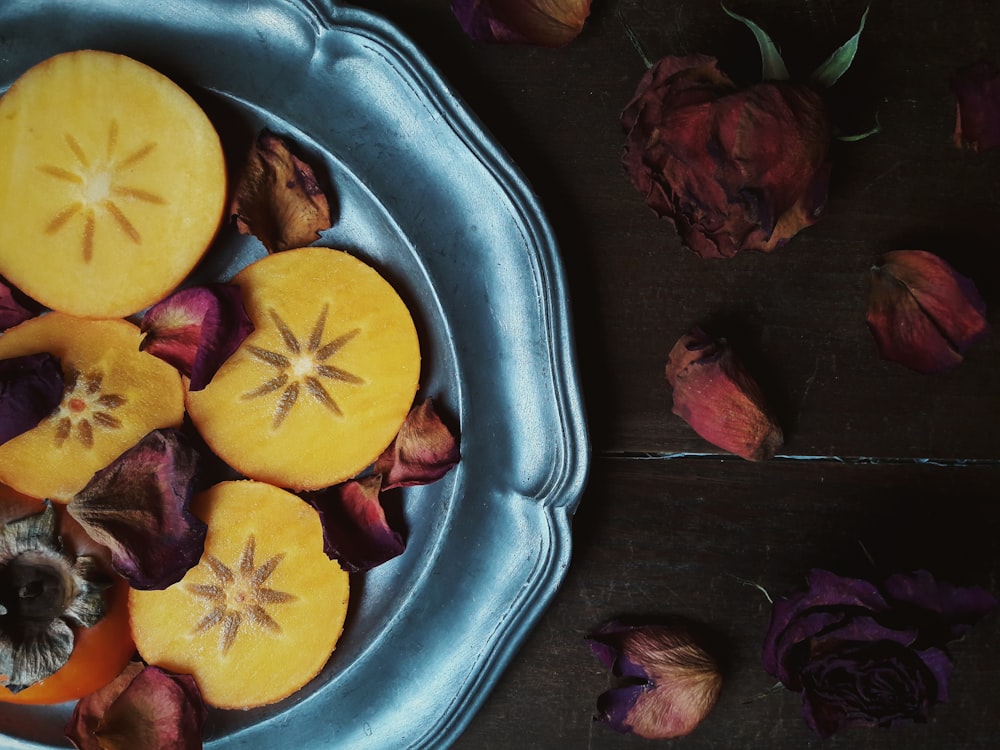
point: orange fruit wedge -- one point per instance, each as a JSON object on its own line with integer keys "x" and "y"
{"x": 261, "y": 613}
{"x": 113, "y": 396}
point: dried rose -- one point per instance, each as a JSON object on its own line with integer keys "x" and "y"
{"x": 13, "y": 308}
{"x": 977, "y": 107}
{"x": 138, "y": 507}
{"x": 355, "y": 529}
{"x": 922, "y": 312}
{"x": 196, "y": 330}
{"x": 673, "y": 682}
{"x": 716, "y": 396}
{"x": 144, "y": 707}
{"x": 278, "y": 198}
{"x": 868, "y": 655}
{"x": 423, "y": 451}
{"x": 546, "y": 23}
{"x": 31, "y": 387}
{"x": 733, "y": 169}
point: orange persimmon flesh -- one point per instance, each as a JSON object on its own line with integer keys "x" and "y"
{"x": 261, "y": 613}
{"x": 325, "y": 380}
{"x": 112, "y": 184}
{"x": 101, "y": 651}
{"x": 113, "y": 396}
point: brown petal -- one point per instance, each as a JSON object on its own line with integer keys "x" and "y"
{"x": 423, "y": 451}
{"x": 145, "y": 707}
{"x": 278, "y": 198}
{"x": 548, "y": 23}
{"x": 922, "y": 312}
{"x": 716, "y": 396}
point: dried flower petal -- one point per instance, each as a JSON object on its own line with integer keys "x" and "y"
{"x": 977, "y": 107}
{"x": 197, "y": 329}
{"x": 716, "y": 396}
{"x": 355, "y": 529}
{"x": 144, "y": 707}
{"x": 733, "y": 169}
{"x": 673, "y": 681}
{"x": 31, "y": 387}
{"x": 14, "y": 308}
{"x": 278, "y": 198}
{"x": 423, "y": 451}
{"x": 546, "y": 23}
{"x": 922, "y": 312}
{"x": 138, "y": 508}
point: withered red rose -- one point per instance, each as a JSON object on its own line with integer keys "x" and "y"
{"x": 734, "y": 169}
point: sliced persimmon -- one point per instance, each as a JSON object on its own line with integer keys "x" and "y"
{"x": 101, "y": 651}
{"x": 260, "y": 614}
{"x": 325, "y": 380}
{"x": 112, "y": 184}
{"x": 113, "y": 396}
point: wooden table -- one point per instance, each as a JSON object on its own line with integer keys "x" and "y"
{"x": 883, "y": 469}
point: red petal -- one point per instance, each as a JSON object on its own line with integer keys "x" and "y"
{"x": 716, "y": 396}
{"x": 977, "y": 107}
{"x": 922, "y": 312}
{"x": 14, "y": 308}
{"x": 31, "y": 387}
{"x": 197, "y": 329}
{"x": 423, "y": 451}
{"x": 143, "y": 708}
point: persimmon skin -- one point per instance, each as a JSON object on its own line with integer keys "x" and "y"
{"x": 100, "y": 652}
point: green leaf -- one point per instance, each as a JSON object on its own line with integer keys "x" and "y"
{"x": 772, "y": 66}
{"x": 861, "y": 136}
{"x": 837, "y": 64}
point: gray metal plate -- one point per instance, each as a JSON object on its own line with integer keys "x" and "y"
{"x": 428, "y": 198}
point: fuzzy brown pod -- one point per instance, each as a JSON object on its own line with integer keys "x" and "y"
{"x": 673, "y": 682}
{"x": 713, "y": 392}
{"x": 278, "y": 198}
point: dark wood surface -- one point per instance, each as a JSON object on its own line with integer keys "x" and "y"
{"x": 884, "y": 469}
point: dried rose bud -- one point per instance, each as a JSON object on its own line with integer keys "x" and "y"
{"x": 716, "y": 396}
{"x": 977, "y": 107}
{"x": 545, "y": 23}
{"x": 278, "y": 198}
{"x": 922, "y": 312}
{"x": 144, "y": 706}
{"x": 355, "y": 530}
{"x": 423, "y": 451}
{"x": 14, "y": 308}
{"x": 31, "y": 387}
{"x": 733, "y": 169}
{"x": 673, "y": 682}
{"x": 196, "y": 330}
{"x": 138, "y": 507}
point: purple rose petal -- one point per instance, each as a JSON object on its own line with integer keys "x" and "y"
{"x": 423, "y": 451}
{"x": 196, "y": 330}
{"x": 138, "y": 508}
{"x": 977, "y": 107}
{"x": 13, "y": 308}
{"x": 31, "y": 387}
{"x": 355, "y": 530}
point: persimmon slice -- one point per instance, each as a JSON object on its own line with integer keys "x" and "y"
{"x": 260, "y": 614}
{"x": 113, "y": 396}
{"x": 112, "y": 184}
{"x": 324, "y": 382}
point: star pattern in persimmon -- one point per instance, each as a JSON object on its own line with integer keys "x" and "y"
{"x": 302, "y": 367}
{"x": 86, "y": 407}
{"x": 238, "y": 596}
{"x": 100, "y": 188}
